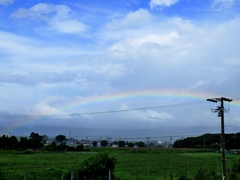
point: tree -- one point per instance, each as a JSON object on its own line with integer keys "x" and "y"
{"x": 44, "y": 139}
{"x": 104, "y": 143}
{"x": 80, "y": 147}
{"x": 130, "y": 144}
{"x": 121, "y": 143}
{"x": 13, "y": 143}
{"x": 35, "y": 141}
{"x": 4, "y": 142}
{"x": 141, "y": 144}
{"x": 23, "y": 143}
{"x": 94, "y": 143}
{"x": 60, "y": 139}
{"x": 51, "y": 147}
{"x": 62, "y": 147}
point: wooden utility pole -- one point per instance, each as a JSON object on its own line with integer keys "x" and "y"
{"x": 220, "y": 110}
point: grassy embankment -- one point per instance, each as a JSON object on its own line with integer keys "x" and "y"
{"x": 132, "y": 163}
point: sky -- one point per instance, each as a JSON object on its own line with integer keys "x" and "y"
{"x": 120, "y": 69}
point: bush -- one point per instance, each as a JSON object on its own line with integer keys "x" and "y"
{"x": 28, "y": 152}
{"x": 121, "y": 143}
{"x": 80, "y": 147}
{"x": 130, "y": 144}
{"x": 96, "y": 167}
{"x": 198, "y": 146}
{"x": 203, "y": 174}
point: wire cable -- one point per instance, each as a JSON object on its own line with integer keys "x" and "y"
{"x": 111, "y": 111}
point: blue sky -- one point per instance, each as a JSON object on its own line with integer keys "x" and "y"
{"x": 56, "y": 54}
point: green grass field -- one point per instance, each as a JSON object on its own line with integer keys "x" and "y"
{"x": 132, "y": 163}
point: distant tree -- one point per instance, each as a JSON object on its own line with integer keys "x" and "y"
{"x": 233, "y": 141}
{"x": 198, "y": 146}
{"x": 80, "y": 147}
{"x": 130, "y": 144}
{"x": 53, "y": 145}
{"x": 70, "y": 148}
{"x": 215, "y": 146}
{"x": 94, "y": 143}
{"x": 121, "y": 143}
{"x": 44, "y": 139}
{"x": 13, "y": 143}
{"x": 23, "y": 143}
{"x": 7, "y": 142}
{"x": 60, "y": 139}
{"x": 206, "y": 140}
{"x": 62, "y": 147}
{"x": 35, "y": 135}
{"x": 141, "y": 144}
{"x": 104, "y": 143}
{"x": 4, "y": 142}
{"x": 35, "y": 141}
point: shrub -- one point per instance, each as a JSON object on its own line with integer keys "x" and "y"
{"x": 28, "y": 152}
{"x": 80, "y": 147}
{"x": 96, "y": 167}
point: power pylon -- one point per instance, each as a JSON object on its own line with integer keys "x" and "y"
{"x": 220, "y": 110}
{"x": 148, "y": 140}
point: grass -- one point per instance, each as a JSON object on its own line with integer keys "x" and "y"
{"x": 132, "y": 163}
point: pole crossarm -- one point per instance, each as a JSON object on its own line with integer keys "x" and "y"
{"x": 215, "y": 100}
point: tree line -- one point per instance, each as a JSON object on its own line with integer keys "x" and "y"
{"x": 209, "y": 141}
{"x": 36, "y": 142}
{"x": 104, "y": 143}
{"x": 40, "y": 142}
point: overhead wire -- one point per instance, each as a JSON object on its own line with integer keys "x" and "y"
{"x": 106, "y": 112}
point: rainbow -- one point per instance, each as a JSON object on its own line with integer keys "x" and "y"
{"x": 183, "y": 96}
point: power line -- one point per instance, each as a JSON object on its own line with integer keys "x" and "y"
{"x": 110, "y": 111}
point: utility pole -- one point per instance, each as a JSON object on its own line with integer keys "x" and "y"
{"x": 220, "y": 110}
{"x": 148, "y": 140}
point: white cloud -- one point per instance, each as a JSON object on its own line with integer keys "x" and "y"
{"x": 199, "y": 84}
{"x": 149, "y": 115}
{"x": 135, "y": 43}
{"x": 58, "y": 17}
{"x": 223, "y": 3}
{"x": 145, "y": 115}
{"x": 41, "y": 109}
{"x": 52, "y": 99}
{"x": 132, "y": 19}
{"x": 6, "y": 2}
{"x": 18, "y": 47}
{"x": 111, "y": 70}
{"x": 67, "y": 26}
{"x": 162, "y": 3}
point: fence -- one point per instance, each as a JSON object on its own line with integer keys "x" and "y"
{"x": 34, "y": 175}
